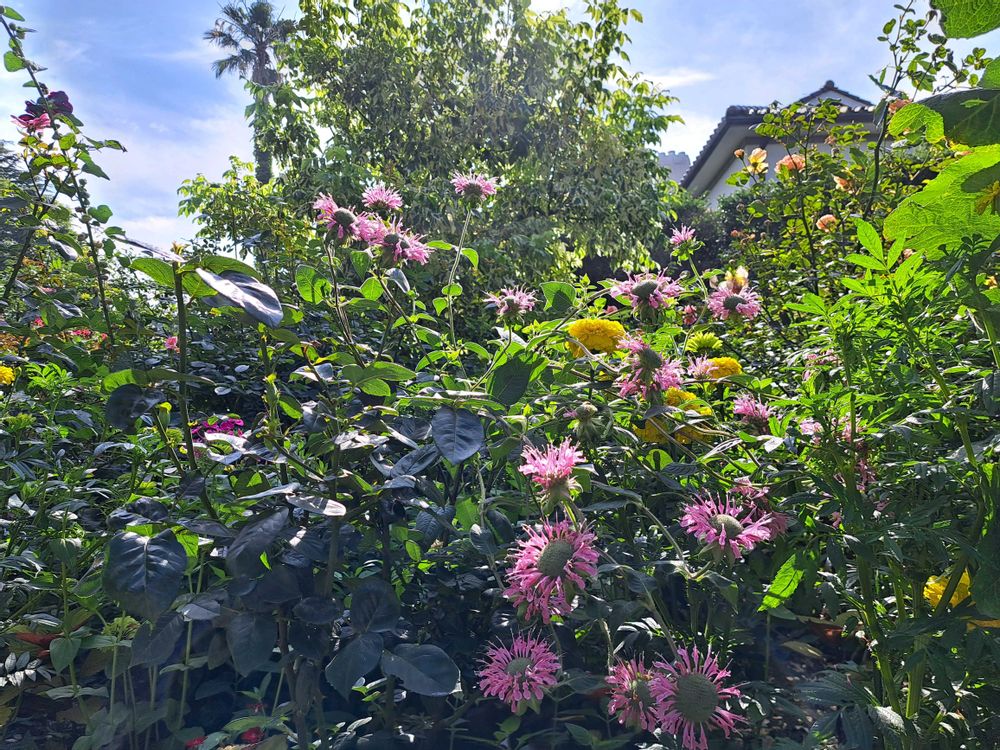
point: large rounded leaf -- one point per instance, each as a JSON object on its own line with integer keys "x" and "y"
{"x": 251, "y": 639}
{"x": 255, "y": 298}
{"x": 374, "y": 606}
{"x": 353, "y": 662}
{"x": 144, "y": 574}
{"x": 129, "y": 402}
{"x": 243, "y": 556}
{"x": 425, "y": 669}
{"x": 458, "y": 433}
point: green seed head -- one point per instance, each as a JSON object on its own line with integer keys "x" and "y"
{"x": 552, "y": 561}
{"x": 645, "y": 289}
{"x": 728, "y": 524}
{"x": 696, "y": 697}
{"x": 517, "y": 666}
{"x": 732, "y": 302}
{"x": 344, "y": 217}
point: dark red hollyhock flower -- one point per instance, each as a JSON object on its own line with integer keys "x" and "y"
{"x": 253, "y": 735}
{"x": 196, "y": 742}
{"x": 58, "y": 102}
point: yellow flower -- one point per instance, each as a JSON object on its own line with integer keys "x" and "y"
{"x": 757, "y": 161}
{"x": 703, "y": 342}
{"x": 991, "y": 282}
{"x": 595, "y": 334}
{"x": 723, "y": 367}
{"x": 6, "y": 375}
{"x": 934, "y": 590}
{"x": 657, "y": 429}
{"x": 989, "y": 199}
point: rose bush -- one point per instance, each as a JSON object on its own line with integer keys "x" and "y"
{"x": 680, "y": 508}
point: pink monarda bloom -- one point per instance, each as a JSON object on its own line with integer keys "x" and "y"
{"x": 404, "y": 245}
{"x": 648, "y": 290}
{"x": 552, "y": 469}
{"x": 790, "y": 163}
{"x": 472, "y": 185}
{"x": 520, "y": 674}
{"x": 689, "y": 315}
{"x": 337, "y": 218}
{"x": 701, "y": 368}
{"x": 510, "y": 302}
{"x": 170, "y": 344}
{"x": 650, "y": 374}
{"x": 760, "y": 506}
{"x": 811, "y": 428}
{"x": 751, "y": 410}
{"x": 826, "y": 223}
{"x": 631, "y": 698}
{"x": 369, "y": 228}
{"x": 681, "y": 235}
{"x": 689, "y": 694}
{"x": 723, "y": 525}
{"x": 734, "y": 295}
{"x": 381, "y": 197}
{"x": 550, "y": 567}
{"x": 32, "y": 124}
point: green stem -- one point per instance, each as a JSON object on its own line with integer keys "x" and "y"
{"x": 451, "y": 279}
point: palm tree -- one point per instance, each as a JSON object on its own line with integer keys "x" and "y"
{"x": 249, "y": 31}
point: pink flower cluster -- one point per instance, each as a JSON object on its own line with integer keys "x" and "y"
{"x": 471, "y": 185}
{"x": 552, "y": 469}
{"x": 647, "y": 290}
{"x": 510, "y": 302}
{"x": 380, "y": 197}
{"x": 31, "y": 124}
{"x": 725, "y": 524}
{"x": 520, "y": 673}
{"x": 550, "y": 567}
{"x": 649, "y": 373}
{"x": 226, "y": 426}
{"x": 751, "y": 410}
{"x": 391, "y": 238}
{"x": 681, "y": 235}
{"x": 734, "y": 296}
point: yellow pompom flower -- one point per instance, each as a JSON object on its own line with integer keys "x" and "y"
{"x": 595, "y": 334}
{"x": 934, "y": 590}
{"x": 7, "y": 375}
{"x": 703, "y": 342}
{"x": 657, "y": 429}
{"x": 723, "y": 367}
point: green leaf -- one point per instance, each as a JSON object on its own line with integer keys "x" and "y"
{"x": 991, "y": 75}
{"x": 944, "y": 212}
{"x": 361, "y": 260}
{"x": 354, "y": 661}
{"x": 12, "y": 61}
{"x": 915, "y": 117}
{"x": 312, "y": 286}
{"x": 985, "y": 587}
{"x": 559, "y": 296}
{"x": 865, "y": 261}
{"x": 11, "y": 13}
{"x": 424, "y": 669}
{"x": 376, "y": 387}
{"x": 452, "y": 290}
{"x": 144, "y": 574}
{"x": 963, "y": 19}
{"x": 235, "y": 289}
{"x": 969, "y": 117}
{"x": 457, "y": 433}
{"x": 100, "y": 214}
{"x": 786, "y": 580}
{"x": 371, "y": 289}
{"x": 390, "y": 371}
{"x": 374, "y": 607}
{"x": 510, "y": 380}
{"x": 158, "y": 270}
{"x": 472, "y": 255}
{"x": 870, "y": 240}
{"x": 62, "y": 652}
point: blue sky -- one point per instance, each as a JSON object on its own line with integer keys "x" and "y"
{"x": 139, "y": 72}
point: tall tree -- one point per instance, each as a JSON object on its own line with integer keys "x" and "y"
{"x": 249, "y": 31}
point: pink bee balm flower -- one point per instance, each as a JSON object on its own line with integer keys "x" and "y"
{"x": 689, "y": 694}
{"x": 631, "y": 698}
{"x": 649, "y": 373}
{"x": 790, "y": 163}
{"x": 647, "y": 290}
{"x": 689, "y": 315}
{"x": 369, "y": 228}
{"x": 32, "y": 124}
{"x": 722, "y": 303}
{"x": 170, "y": 344}
{"x": 520, "y": 674}
{"x": 681, "y": 235}
{"x": 701, "y": 368}
{"x": 512, "y": 301}
{"x": 811, "y": 428}
{"x": 724, "y": 526}
{"x": 751, "y": 410}
{"x": 379, "y": 196}
{"x": 550, "y": 566}
{"x": 760, "y": 507}
{"x": 404, "y": 245}
{"x": 335, "y": 217}
{"x": 552, "y": 469}
{"x": 473, "y": 185}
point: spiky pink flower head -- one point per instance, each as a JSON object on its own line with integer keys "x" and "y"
{"x": 648, "y": 373}
{"x": 404, "y": 245}
{"x": 724, "y": 525}
{"x": 647, "y": 290}
{"x": 760, "y": 507}
{"x": 701, "y": 368}
{"x": 751, "y": 410}
{"x": 369, "y": 228}
{"x": 381, "y": 197}
{"x": 170, "y": 344}
{"x": 473, "y": 185}
{"x": 519, "y": 674}
{"x": 631, "y": 698}
{"x": 31, "y": 124}
{"x": 552, "y": 469}
{"x": 511, "y": 302}
{"x": 337, "y": 218}
{"x": 689, "y": 315}
{"x": 811, "y": 428}
{"x": 690, "y": 694}
{"x": 722, "y": 303}
{"x": 550, "y": 566}
{"x": 681, "y": 235}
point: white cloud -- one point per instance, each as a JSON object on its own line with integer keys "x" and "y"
{"x": 553, "y": 6}
{"x": 690, "y": 135}
{"x": 200, "y": 52}
{"x": 675, "y": 78}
